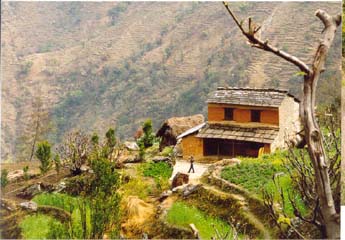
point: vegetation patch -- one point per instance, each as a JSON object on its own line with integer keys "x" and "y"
{"x": 181, "y": 214}
{"x": 58, "y": 200}
{"x": 157, "y": 170}
{"x": 263, "y": 174}
{"x": 38, "y": 226}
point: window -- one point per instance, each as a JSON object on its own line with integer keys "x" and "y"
{"x": 229, "y": 114}
{"x": 255, "y": 116}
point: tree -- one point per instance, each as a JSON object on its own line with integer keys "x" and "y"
{"x": 147, "y": 139}
{"x": 57, "y": 163}
{"x": 74, "y": 151}
{"x": 4, "y": 179}
{"x": 313, "y": 135}
{"x": 37, "y": 127}
{"x": 43, "y": 153}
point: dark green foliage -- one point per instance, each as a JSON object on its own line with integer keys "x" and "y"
{"x": 116, "y": 11}
{"x": 25, "y": 171}
{"x": 95, "y": 139}
{"x": 148, "y": 137}
{"x": 110, "y": 143}
{"x": 25, "y": 69}
{"x": 104, "y": 201}
{"x": 57, "y": 163}
{"x": 106, "y": 177}
{"x": 4, "y": 179}
{"x": 111, "y": 139}
{"x": 43, "y": 153}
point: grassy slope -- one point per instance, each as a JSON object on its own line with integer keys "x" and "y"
{"x": 181, "y": 214}
{"x": 36, "y": 226}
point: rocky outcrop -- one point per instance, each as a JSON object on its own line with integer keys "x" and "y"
{"x": 34, "y": 189}
{"x": 179, "y": 179}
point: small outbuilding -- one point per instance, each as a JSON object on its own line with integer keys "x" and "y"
{"x": 175, "y": 126}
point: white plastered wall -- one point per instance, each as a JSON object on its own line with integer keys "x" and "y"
{"x": 289, "y": 123}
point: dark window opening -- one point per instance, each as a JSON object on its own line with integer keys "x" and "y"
{"x": 255, "y": 116}
{"x": 229, "y": 114}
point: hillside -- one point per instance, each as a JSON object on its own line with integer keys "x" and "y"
{"x": 96, "y": 65}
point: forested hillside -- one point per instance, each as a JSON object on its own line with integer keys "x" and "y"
{"x": 91, "y": 65}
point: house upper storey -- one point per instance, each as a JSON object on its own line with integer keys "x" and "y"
{"x": 248, "y": 105}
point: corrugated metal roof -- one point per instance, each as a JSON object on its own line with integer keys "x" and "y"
{"x": 190, "y": 131}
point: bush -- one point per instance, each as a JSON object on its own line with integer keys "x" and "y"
{"x": 26, "y": 172}
{"x": 148, "y": 137}
{"x": 57, "y": 162}
{"x": 43, "y": 153}
{"x": 4, "y": 179}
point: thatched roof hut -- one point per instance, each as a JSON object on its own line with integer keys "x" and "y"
{"x": 174, "y": 126}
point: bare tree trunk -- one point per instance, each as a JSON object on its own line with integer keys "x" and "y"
{"x": 312, "y": 130}
{"x": 35, "y": 139}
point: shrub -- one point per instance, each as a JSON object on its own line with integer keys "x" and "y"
{"x": 43, "y": 153}
{"x": 25, "y": 171}
{"x": 4, "y": 178}
{"x": 148, "y": 137}
{"x": 57, "y": 162}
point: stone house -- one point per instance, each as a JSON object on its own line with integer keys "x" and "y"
{"x": 245, "y": 122}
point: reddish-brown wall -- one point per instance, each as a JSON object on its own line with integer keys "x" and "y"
{"x": 242, "y": 114}
{"x": 215, "y": 113}
{"x": 270, "y": 116}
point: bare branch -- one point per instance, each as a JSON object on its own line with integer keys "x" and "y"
{"x": 264, "y": 45}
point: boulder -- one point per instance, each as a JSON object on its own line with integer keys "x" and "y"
{"x": 133, "y": 146}
{"x": 29, "y": 205}
{"x": 228, "y": 162}
{"x": 189, "y": 189}
{"x": 85, "y": 168}
{"x": 131, "y": 159}
{"x": 34, "y": 189}
{"x": 164, "y": 195}
{"x": 60, "y": 187}
{"x": 15, "y": 175}
{"x": 179, "y": 179}
{"x": 158, "y": 159}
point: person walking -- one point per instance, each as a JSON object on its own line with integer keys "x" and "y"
{"x": 191, "y": 160}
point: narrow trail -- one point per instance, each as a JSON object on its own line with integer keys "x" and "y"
{"x": 183, "y": 166}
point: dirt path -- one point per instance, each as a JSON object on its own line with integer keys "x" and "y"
{"x": 183, "y": 167}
